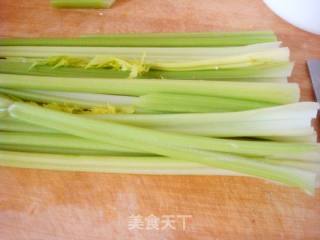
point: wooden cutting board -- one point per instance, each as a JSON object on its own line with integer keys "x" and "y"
{"x": 46, "y": 205}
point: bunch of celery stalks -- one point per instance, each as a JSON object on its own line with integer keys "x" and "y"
{"x": 166, "y": 103}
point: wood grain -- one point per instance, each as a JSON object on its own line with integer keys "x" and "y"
{"x": 50, "y": 205}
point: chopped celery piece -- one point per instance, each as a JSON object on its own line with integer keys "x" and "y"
{"x": 276, "y": 93}
{"x": 151, "y": 40}
{"x": 150, "y": 140}
{"x": 82, "y": 3}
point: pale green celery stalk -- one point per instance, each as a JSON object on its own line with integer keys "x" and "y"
{"x": 276, "y": 56}
{"x": 11, "y": 125}
{"x": 311, "y": 166}
{"x": 82, "y": 3}
{"x": 271, "y": 128}
{"x": 107, "y": 164}
{"x": 179, "y": 103}
{"x": 59, "y": 141}
{"x": 151, "y": 40}
{"x": 59, "y": 150}
{"x": 152, "y": 141}
{"x": 72, "y": 99}
{"x": 279, "y": 55}
{"x": 291, "y": 120}
{"x": 135, "y": 53}
{"x": 159, "y": 102}
{"x": 265, "y": 73}
{"x": 278, "y": 93}
{"x": 18, "y": 126}
{"x": 264, "y": 149}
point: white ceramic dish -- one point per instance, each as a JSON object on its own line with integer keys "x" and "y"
{"x": 304, "y": 14}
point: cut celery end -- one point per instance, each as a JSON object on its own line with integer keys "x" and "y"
{"x": 82, "y": 3}
{"x": 142, "y": 139}
{"x": 278, "y": 93}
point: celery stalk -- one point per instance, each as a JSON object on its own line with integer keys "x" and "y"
{"x": 275, "y": 56}
{"x": 107, "y": 164}
{"x": 291, "y": 120}
{"x": 290, "y": 123}
{"x": 59, "y": 141}
{"x": 60, "y": 150}
{"x": 150, "y": 140}
{"x": 151, "y": 40}
{"x": 279, "y": 55}
{"x": 71, "y": 99}
{"x": 179, "y": 103}
{"x": 263, "y": 149}
{"x": 277, "y": 93}
{"x": 265, "y": 73}
{"x": 157, "y": 102}
{"x": 135, "y": 53}
{"x": 82, "y": 3}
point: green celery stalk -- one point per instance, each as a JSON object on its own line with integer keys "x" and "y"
{"x": 49, "y": 97}
{"x": 265, "y": 73}
{"x": 65, "y": 151}
{"x": 82, "y": 3}
{"x": 151, "y": 40}
{"x": 59, "y": 141}
{"x": 157, "y": 102}
{"x": 277, "y": 93}
{"x": 107, "y": 164}
{"x": 264, "y": 149}
{"x": 150, "y": 140}
{"x": 179, "y": 103}
{"x": 279, "y": 55}
{"x": 291, "y": 123}
{"x": 275, "y": 56}
{"x": 11, "y": 125}
{"x": 291, "y": 120}
{"x": 135, "y": 53}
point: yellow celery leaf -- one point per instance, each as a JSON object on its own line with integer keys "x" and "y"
{"x": 74, "y": 109}
{"x": 63, "y": 61}
{"x": 135, "y": 68}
